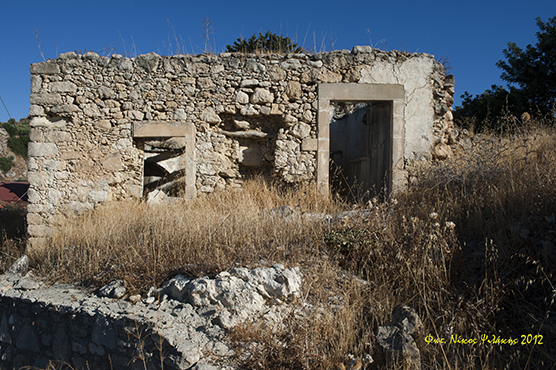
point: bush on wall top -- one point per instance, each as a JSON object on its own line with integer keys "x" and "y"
{"x": 269, "y": 42}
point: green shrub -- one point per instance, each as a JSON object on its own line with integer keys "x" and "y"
{"x": 10, "y": 128}
{"x": 269, "y": 43}
{"x": 19, "y": 136}
{"x": 19, "y": 145}
{"x": 6, "y": 163}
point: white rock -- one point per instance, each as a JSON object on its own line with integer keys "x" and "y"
{"x": 262, "y": 96}
{"x": 115, "y": 289}
{"x": 157, "y": 197}
{"x": 210, "y": 116}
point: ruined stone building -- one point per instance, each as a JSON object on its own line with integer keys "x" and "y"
{"x": 111, "y": 128}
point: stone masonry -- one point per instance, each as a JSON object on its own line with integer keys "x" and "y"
{"x": 111, "y": 128}
{"x": 182, "y": 325}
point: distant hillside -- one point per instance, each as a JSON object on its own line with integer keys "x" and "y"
{"x": 14, "y": 140}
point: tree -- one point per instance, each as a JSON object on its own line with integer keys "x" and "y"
{"x": 534, "y": 69}
{"x": 531, "y": 78}
{"x": 487, "y": 109}
{"x": 269, "y": 42}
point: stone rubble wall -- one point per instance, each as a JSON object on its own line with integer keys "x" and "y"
{"x": 185, "y": 321}
{"x": 248, "y": 112}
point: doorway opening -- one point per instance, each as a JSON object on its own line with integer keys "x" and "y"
{"x": 360, "y": 149}
{"x": 168, "y": 150}
{"x": 360, "y": 139}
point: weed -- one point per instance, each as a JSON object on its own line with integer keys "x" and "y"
{"x": 469, "y": 245}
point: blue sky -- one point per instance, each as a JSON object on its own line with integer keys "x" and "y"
{"x": 471, "y": 34}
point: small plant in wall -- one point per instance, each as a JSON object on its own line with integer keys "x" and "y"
{"x": 267, "y": 43}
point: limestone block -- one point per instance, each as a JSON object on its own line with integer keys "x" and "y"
{"x": 54, "y": 197}
{"x": 37, "y": 230}
{"x": 135, "y": 115}
{"x": 217, "y": 69}
{"x": 64, "y": 86}
{"x": 113, "y": 163}
{"x": 107, "y": 93}
{"x": 293, "y": 90}
{"x": 102, "y": 124}
{"x": 91, "y": 110}
{"x": 317, "y": 63}
{"x": 307, "y": 116}
{"x": 288, "y": 118}
{"x": 110, "y": 103}
{"x": 262, "y": 96}
{"x": 148, "y": 61}
{"x": 41, "y": 179}
{"x": 251, "y": 134}
{"x": 230, "y": 109}
{"x": 71, "y": 154}
{"x": 36, "y": 135}
{"x": 241, "y": 97}
{"x": 67, "y": 56}
{"x": 46, "y": 68}
{"x": 98, "y": 196}
{"x": 252, "y": 66}
{"x": 362, "y": 49}
{"x": 179, "y": 115}
{"x": 249, "y": 111}
{"x": 309, "y": 144}
{"x": 64, "y": 108}
{"x": 330, "y": 77}
{"x": 277, "y": 74}
{"x": 34, "y": 219}
{"x": 210, "y": 116}
{"x": 244, "y": 125}
{"x": 291, "y": 64}
{"x": 249, "y": 83}
{"x": 79, "y": 207}
{"x": 45, "y": 99}
{"x": 205, "y": 83}
{"x": 134, "y": 190}
{"x": 36, "y": 83}
{"x": 34, "y": 196}
{"x": 36, "y": 110}
{"x": 162, "y": 129}
{"x": 276, "y": 109}
{"x": 42, "y": 149}
{"x": 171, "y": 164}
{"x": 301, "y": 130}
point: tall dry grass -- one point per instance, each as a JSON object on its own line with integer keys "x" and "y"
{"x": 143, "y": 244}
{"x": 469, "y": 245}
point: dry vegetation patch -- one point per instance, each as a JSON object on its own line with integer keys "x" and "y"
{"x": 470, "y": 246}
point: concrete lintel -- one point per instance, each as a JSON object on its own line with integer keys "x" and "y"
{"x": 162, "y": 129}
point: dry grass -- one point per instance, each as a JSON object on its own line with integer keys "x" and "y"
{"x": 12, "y": 235}
{"x": 144, "y": 245}
{"x": 470, "y": 246}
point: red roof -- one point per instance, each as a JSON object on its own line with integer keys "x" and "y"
{"x": 13, "y": 192}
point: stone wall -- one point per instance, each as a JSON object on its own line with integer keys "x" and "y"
{"x": 110, "y": 128}
{"x": 182, "y": 325}
{"x": 64, "y": 325}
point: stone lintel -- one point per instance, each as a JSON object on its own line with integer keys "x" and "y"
{"x": 360, "y": 92}
{"x": 162, "y": 129}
